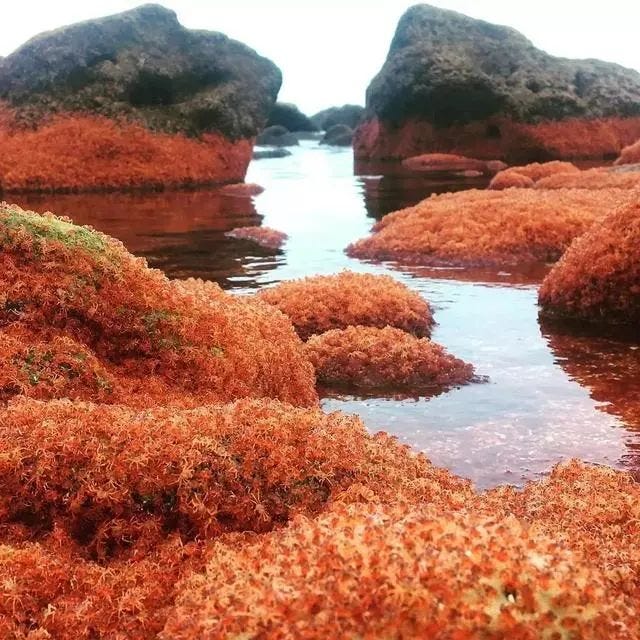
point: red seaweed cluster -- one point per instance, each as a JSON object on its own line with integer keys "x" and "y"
{"x": 264, "y": 236}
{"x": 598, "y": 278}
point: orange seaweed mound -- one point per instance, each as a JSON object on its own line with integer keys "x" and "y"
{"x": 487, "y": 228}
{"x": 372, "y": 358}
{"x": 630, "y": 154}
{"x": 93, "y": 153}
{"x": 161, "y": 341}
{"x": 242, "y": 189}
{"x": 598, "y": 178}
{"x": 321, "y": 303}
{"x": 264, "y": 236}
{"x": 402, "y": 572}
{"x": 451, "y": 163}
{"x": 598, "y": 279}
{"x": 528, "y": 175}
{"x": 109, "y": 475}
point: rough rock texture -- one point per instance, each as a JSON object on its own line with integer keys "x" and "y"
{"x": 459, "y": 85}
{"x": 143, "y": 66}
{"x": 339, "y": 135}
{"x": 277, "y": 136}
{"x": 598, "y": 279}
{"x": 289, "y": 116}
{"x": 349, "y": 114}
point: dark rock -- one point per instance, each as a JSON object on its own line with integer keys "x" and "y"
{"x": 340, "y": 135}
{"x": 290, "y": 117}
{"x": 277, "y": 136}
{"x": 144, "y": 65}
{"x": 264, "y": 154}
{"x": 349, "y": 114}
{"x": 459, "y": 85}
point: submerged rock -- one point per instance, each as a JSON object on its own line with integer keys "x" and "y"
{"x": 277, "y": 136}
{"x": 348, "y": 114}
{"x": 265, "y": 154}
{"x": 321, "y": 303}
{"x": 598, "y": 278}
{"x": 139, "y": 67}
{"x": 290, "y": 117}
{"x": 458, "y": 85}
{"x": 339, "y": 135}
{"x": 515, "y": 227}
{"x": 242, "y": 189}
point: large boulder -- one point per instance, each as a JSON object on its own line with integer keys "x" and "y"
{"x": 290, "y": 117}
{"x": 144, "y": 67}
{"x": 340, "y": 135}
{"x": 454, "y": 84}
{"x": 348, "y": 114}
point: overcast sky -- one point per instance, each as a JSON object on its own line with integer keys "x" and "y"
{"x": 328, "y": 50}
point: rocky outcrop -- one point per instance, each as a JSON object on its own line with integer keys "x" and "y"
{"x": 290, "y": 117}
{"x": 277, "y": 136}
{"x": 338, "y": 136}
{"x": 454, "y": 84}
{"x": 348, "y": 114}
{"x": 142, "y": 67}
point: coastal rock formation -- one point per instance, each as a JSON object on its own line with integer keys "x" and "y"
{"x": 322, "y": 303}
{"x": 454, "y": 84}
{"x": 196, "y": 90}
{"x": 598, "y": 278}
{"x": 277, "y": 136}
{"x": 514, "y": 227}
{"x": 269, "y": 154}
{"x": 289, "y": 116}
{"x": 339, "y": 135}
{"x": 348, "y": 114}
{"x": 386, "y": 359}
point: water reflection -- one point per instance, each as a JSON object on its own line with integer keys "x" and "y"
{"x": 180, "y": 232}
{"x": 550, "y": 396}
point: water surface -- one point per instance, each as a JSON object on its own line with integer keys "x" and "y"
{"x": 553, "y": 393}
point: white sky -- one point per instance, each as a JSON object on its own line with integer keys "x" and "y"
{"x": 329, "y": 50}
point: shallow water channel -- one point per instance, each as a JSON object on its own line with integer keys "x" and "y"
{"x": 553, "y": 393}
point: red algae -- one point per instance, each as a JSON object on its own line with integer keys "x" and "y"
{"x": 71, "y": 153}
{"x": 402, "y": 572}
{"x": 528, "y": 175}
{"x": 389, "y": 358}
{"x": 487, "y": 228}
{"x": 598, "y": 178}
{"x": 630, "y": 154}
{"x": 163, "y": 341}
{"x": 106, "y": 474}
{"x": 568, "y": 139}
{"x": 450, "y": 163}
{"x": 322, "y": 303}
{"x": 598, "y": 279}
{"x": 242, "y": 189}
{"x": 264, "y": 236}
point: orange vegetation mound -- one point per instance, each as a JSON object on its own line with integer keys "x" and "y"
{"x": 264, "y": 236}
{"x": 486, "y": 228}
{"x": 242, "y": 189}
{"x": 528, "y": 175}
{"x": 161, "y": 341}
{"x": 322, "y": 303}
{"x": 630, "y": 154}
{"x": 372, "y": 358}
{"x": 380, "y": 572}
{"x": 450, "y": 163}
{"x": 598, "y": 178}
{"x": 93, "y": 153}
{"x": 598, "y": 279}
{"x": 110, "y": 475}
